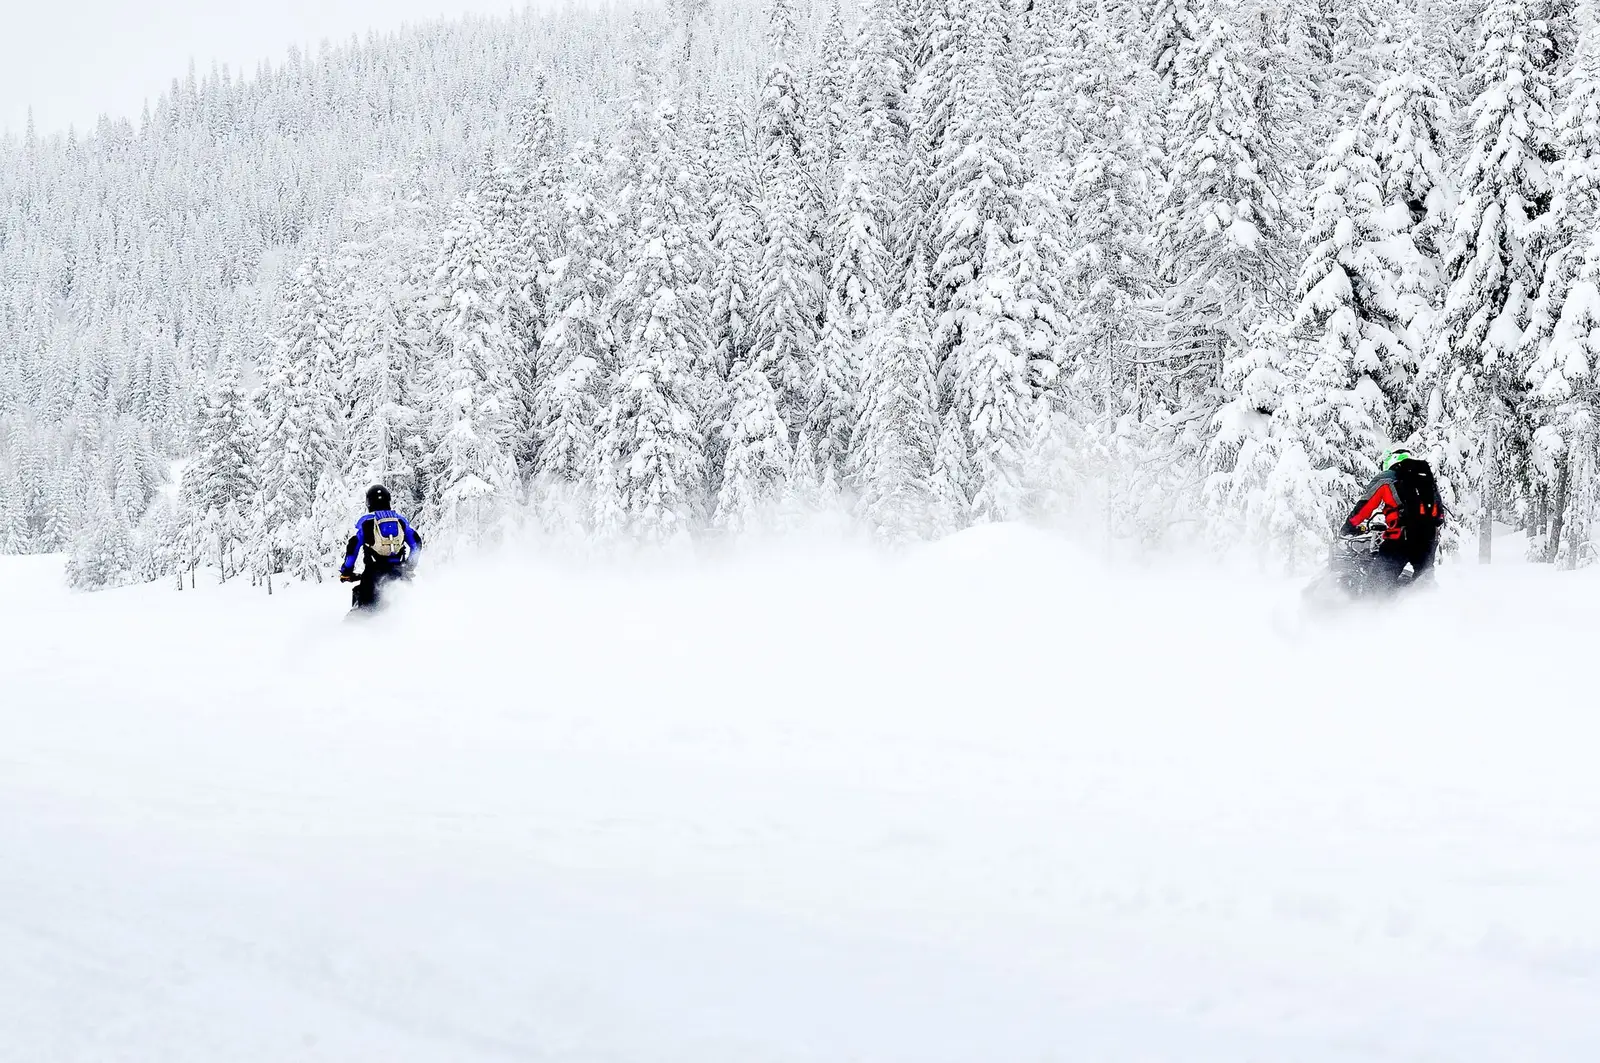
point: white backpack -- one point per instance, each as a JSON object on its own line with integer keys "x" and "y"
{"x": 388, "y": 536}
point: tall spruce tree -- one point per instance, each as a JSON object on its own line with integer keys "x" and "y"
{"x": 1493, "y": 263}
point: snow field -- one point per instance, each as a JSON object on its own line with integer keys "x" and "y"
{"x": 991, "y": 800}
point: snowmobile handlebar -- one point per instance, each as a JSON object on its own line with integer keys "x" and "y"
{"x": 1366, "y": 542}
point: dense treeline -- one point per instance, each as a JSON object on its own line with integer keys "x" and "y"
{"x": 1183, "y": 267}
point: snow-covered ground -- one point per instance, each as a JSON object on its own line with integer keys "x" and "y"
{"x": 988, "y": 802}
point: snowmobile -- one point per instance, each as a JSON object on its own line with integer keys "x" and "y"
{"x": 1354, "y": 573}
{"x": 376, "y": 598}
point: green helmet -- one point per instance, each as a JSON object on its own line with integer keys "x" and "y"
{"x": 1394, "y": 456}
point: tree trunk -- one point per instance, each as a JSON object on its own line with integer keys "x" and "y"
{"x": 1486, "y": 500}
{"x": 1580, "y": 503}
{"x": 1559, "y": 512}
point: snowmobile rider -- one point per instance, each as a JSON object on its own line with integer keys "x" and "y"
{"x": 387, "y": 544}
{"x": 1405, "y": 494}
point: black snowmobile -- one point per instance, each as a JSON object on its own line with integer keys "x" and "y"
{"x": 1355, "y": 574}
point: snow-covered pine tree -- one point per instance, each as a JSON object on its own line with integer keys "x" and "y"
{"x": 518, "y": 198}
{"x": 578, "y": 351}
{"x": 834, "y": 389}
{"x": 651, "y": 444}
{"x": 997, "y": 284}
{"x": 878, "y": 125}
{"x": 384, "y": 334}
{"x": 788, "y": 294}
{"x": 1404, "y": 126}
{"x": 1054, "y": 49}
{"x": 654, "y": 433}
{"x": 891, "y": 463}
{"x": 1221, "y": 268}
{"x": 1323, "y": 439}
{"x": 755, "y": 470}
{"x": 950, "y": 503}
{"x": 1100, "y": 201}
{"x": 334, "y": 508}
{"x": 14, "y": 534}
{"x": 472, "y": 385}
{"x": 1562, "y": 341}
{"x": 929, "y": 28}
{"x": 1493, "y": 265}
{"x": 810, "y": 490}
{"x": 156, "y": 554}
{"x": 829, "y": 103}
{"x": 856, "y": 303}
{"x": 302, "y": 413}
{"x": 980, "y": 173}
{"x": 781, "y": 114}
{"x": 134, "y": 476}
{"x": 736, "y": 239}
{"x": 224, "y": 471}
{"x": 788, "y": 289}
{"x": 1175, "y": 31}
{"x": 101, "y": 552}
{"x": 991, "y": 383}
{"x": 1364, "y": 54}
{"x": 1219, "y": 227}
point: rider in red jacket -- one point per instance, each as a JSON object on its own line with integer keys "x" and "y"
{"x": 1407, "y": 498}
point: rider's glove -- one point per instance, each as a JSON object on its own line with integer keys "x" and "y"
{"x": 346, "y": 577}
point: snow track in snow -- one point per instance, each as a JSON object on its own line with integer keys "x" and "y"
{"x": 989, "y": 801}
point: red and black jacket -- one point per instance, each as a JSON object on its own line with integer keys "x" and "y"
{"x": 1406, "y": 494}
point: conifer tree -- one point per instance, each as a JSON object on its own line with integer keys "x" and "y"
{"x": 788, "y": 292}
{"x": 1219, "y": 226}
{"x": 893, "y": 447}
{"x": 948, "y": 481}
{"x": 101, "y": 556}
{"x": 756, "y": 467}
{"x": 1566, "y": 231}
{"x": 855, "y": 305}
{"x": 733, "y": 296}
{"x": 1493, "y": 264}
{"x": 1404, "y": 126}
{"x": 14, "y": 534}
{"x": 1562, "y": 341}
{"x": 1345, "y": 305}
{"x": 980, "y": 174}
{"x": 651, "y": 444}
{"x": 385, "y": 334}
{"x": 473, "y": 386}
{"x": 930, "y": 30}
{"x": 878, "y": 125}
{"x": 788, "y": 288}
{"x": 223, "y": 471}
{"x": 578, "y": 347}
{"x": 830, "y": 98}
{"x": 991, "y": 381}
{"x": 1174, "y": 32}
{"x": 301, "y": 432}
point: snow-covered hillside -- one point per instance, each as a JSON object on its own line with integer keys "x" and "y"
{"x": 987, "y": 801}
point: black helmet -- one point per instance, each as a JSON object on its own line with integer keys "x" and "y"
{"x": 378, "y": 498}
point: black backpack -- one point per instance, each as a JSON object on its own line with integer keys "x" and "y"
{"x": 1419, "y": 496}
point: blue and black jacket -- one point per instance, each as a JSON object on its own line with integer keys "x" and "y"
{"x": 361, "y": 543}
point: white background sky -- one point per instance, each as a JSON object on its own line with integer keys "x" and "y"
{"x": 71, "y": 60}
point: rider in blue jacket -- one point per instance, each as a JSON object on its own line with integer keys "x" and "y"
{"x": 387, "y": 545}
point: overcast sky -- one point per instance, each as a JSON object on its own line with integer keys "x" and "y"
{"x": 71, "y": 60}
